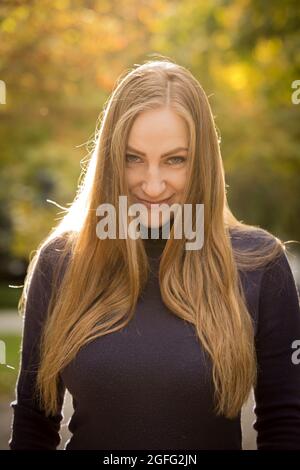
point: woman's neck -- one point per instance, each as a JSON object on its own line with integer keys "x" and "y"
{"x": 155, "y": 243}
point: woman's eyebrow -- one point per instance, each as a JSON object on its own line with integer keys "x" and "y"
{"x": 163, "y": 155}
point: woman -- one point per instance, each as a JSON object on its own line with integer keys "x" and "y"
{"x": 158, "y": 345}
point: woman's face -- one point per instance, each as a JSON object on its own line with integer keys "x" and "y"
{"x": 157, "y": 161}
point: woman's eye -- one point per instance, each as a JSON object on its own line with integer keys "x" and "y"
{"x": 131, "y": 158}
{"x": 177, "y": 160}
{"x": 173, "y": 160}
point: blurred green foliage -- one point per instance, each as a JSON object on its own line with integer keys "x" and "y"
{"x": 9, "y": 297}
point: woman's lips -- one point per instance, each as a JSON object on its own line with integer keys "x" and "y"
{"x": 154, "y": 204}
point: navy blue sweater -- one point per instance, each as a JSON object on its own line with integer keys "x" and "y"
{"x": 149, "y": 386}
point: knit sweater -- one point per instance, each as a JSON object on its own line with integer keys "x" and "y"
{"x": 149, "y": 386}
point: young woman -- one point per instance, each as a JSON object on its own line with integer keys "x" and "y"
{"x": 158, "y": 345}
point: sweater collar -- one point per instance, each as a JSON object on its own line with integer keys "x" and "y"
{"x": 155, "y": 243}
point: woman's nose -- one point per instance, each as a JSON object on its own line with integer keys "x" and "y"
{"x": 154, "y": 186}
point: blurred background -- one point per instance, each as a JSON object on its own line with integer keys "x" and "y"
{"x": 59, "y": 60}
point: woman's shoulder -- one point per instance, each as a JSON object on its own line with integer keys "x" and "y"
{"x": 256, "y": 241}
{"x": 54, "y": 245}
{"x": 52, "y": 255}
{"x": 257, "y": 249}
{"x": 252, "y": 238}
{"x": 271, "y": 275}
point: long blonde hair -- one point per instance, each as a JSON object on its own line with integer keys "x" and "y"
{"x": 99, "y": 291}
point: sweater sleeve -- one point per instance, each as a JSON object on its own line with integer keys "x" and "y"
{"x": 31, "y": 429}
{"x": 277, "y": 394}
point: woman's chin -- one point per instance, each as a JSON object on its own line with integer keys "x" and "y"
{"x": 154, "y": 222}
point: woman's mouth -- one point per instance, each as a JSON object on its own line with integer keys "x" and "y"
{"x": 153, "y": 204}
